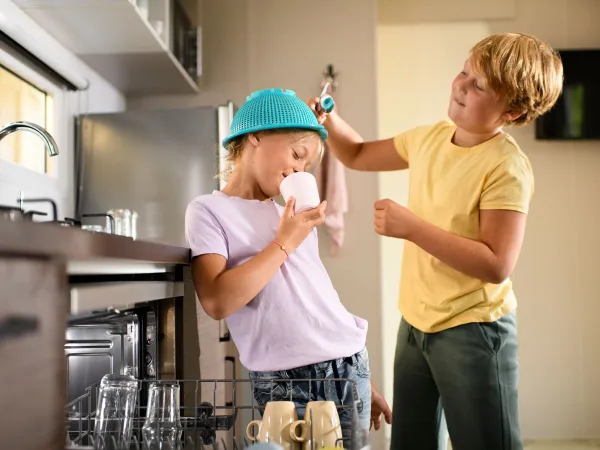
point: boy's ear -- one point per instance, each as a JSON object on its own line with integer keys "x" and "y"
{"x": 511, "y": 116}
{"x": 253, "y": 139}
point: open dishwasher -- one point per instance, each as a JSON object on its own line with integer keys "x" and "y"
{"x": 145, "y": 343}
{"x": 200, "y": 416}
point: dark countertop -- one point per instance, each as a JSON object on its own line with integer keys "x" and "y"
{"x": 74, "y": 244}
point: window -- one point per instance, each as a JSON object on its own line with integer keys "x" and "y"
{"x": 22, "y": 100}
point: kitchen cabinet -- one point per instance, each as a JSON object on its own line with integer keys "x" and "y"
{"x": 41, "y": 265}
{"x": 148, "y": 51}
{"x": 34, "y": 301}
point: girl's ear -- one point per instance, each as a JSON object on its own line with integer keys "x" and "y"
{"x": 253, "y": 140}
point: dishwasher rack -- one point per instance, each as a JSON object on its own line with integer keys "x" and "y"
{"x": 202, "y": 419}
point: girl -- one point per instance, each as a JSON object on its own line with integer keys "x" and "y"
{"x": 256, "y": 265}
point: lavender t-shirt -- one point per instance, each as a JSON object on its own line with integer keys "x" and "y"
{"x": 297, "y": 319}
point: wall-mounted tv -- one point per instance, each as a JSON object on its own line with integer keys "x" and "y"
{"x": 576, "y": 114}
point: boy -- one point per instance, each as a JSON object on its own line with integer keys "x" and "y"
{"x": 470, "y": 189}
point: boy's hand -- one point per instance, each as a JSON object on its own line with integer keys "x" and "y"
{"x": 321, "y": 115}
{"x": 394, "y": 220}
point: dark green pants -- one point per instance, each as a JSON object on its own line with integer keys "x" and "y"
{"x": 470, "y": 372}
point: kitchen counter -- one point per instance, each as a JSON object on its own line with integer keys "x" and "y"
{"x": 104, "y": 270}
{"x": 73, "y": 244}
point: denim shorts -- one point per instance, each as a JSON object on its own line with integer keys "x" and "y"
{"x": 354, "y": 368}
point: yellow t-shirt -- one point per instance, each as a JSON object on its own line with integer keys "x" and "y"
{"x": 448, "y": 186}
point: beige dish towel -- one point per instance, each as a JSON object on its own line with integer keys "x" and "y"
{"x": 331, "y": 178}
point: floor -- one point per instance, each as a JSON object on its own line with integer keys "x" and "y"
{"x": 563, "y": 445}
{"x": 559, "y": 445}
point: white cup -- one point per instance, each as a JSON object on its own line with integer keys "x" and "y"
{"x": 303, "y": 187}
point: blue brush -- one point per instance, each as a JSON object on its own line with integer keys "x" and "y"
{"x": 326, "y": 101}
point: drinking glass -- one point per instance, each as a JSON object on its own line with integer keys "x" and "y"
{"x": 162, "y": 429}
{"x": 113, "y": 424}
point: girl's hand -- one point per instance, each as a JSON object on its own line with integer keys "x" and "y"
{"x": 294, "y": 228}
{"x": 394, "y": 220}
{"x": 320, "y": 115}
{"x": 379, "y": 407}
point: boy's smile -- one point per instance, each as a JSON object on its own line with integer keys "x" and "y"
{"x": 459, "y": 102}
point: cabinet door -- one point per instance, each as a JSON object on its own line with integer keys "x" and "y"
{"x": 34, "y": 302}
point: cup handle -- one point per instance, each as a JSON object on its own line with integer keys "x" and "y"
{"x": 250, "y": 427}
{"x": 294, "y": 426}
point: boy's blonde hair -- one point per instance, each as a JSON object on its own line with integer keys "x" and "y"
{"x": 236, "y": 147}
{"x": 523, "y": 70}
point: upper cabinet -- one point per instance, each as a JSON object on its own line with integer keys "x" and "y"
{"x": 142, "y": 47}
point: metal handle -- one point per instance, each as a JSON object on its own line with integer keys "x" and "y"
{"x": 15, "y": 326}
{"x": 22, "y": 200}
{"x": 35, "y": 213}
{"x": 231, "y": 359}
{"x": 72, "y": 221}
{"x": 224, "y": 337}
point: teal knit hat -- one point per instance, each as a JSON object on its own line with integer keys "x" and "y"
{"x": 272, "y": 109}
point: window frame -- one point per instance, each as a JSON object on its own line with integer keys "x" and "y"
{"x": 27, "y": 179}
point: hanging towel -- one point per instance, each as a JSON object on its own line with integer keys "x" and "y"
{"x": 331, "y": 178}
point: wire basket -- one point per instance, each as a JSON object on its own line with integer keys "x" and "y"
{"x": 208, "y": 421}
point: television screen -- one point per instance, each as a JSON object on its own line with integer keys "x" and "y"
{"x": 576, "y": 114}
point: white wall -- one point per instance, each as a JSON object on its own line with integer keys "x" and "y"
{"x": 555, "y": 279}
{"x": 100, "y": 97}
{"x": 402, "y": 13}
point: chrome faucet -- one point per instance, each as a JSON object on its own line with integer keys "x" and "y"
{"x": 33, "y": 128}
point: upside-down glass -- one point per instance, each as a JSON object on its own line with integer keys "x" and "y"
{"x": 115, "y": 412}
{"x": 162, "y": 429}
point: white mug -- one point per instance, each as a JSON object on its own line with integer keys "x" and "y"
{"x": 303, "y": 187}
{"x": 326, "y": 426}
{"x": 275, "y": 425}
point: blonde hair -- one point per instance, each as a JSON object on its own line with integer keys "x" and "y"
{"x": 522, "y": 70}
{"x": 235, "y": 148}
